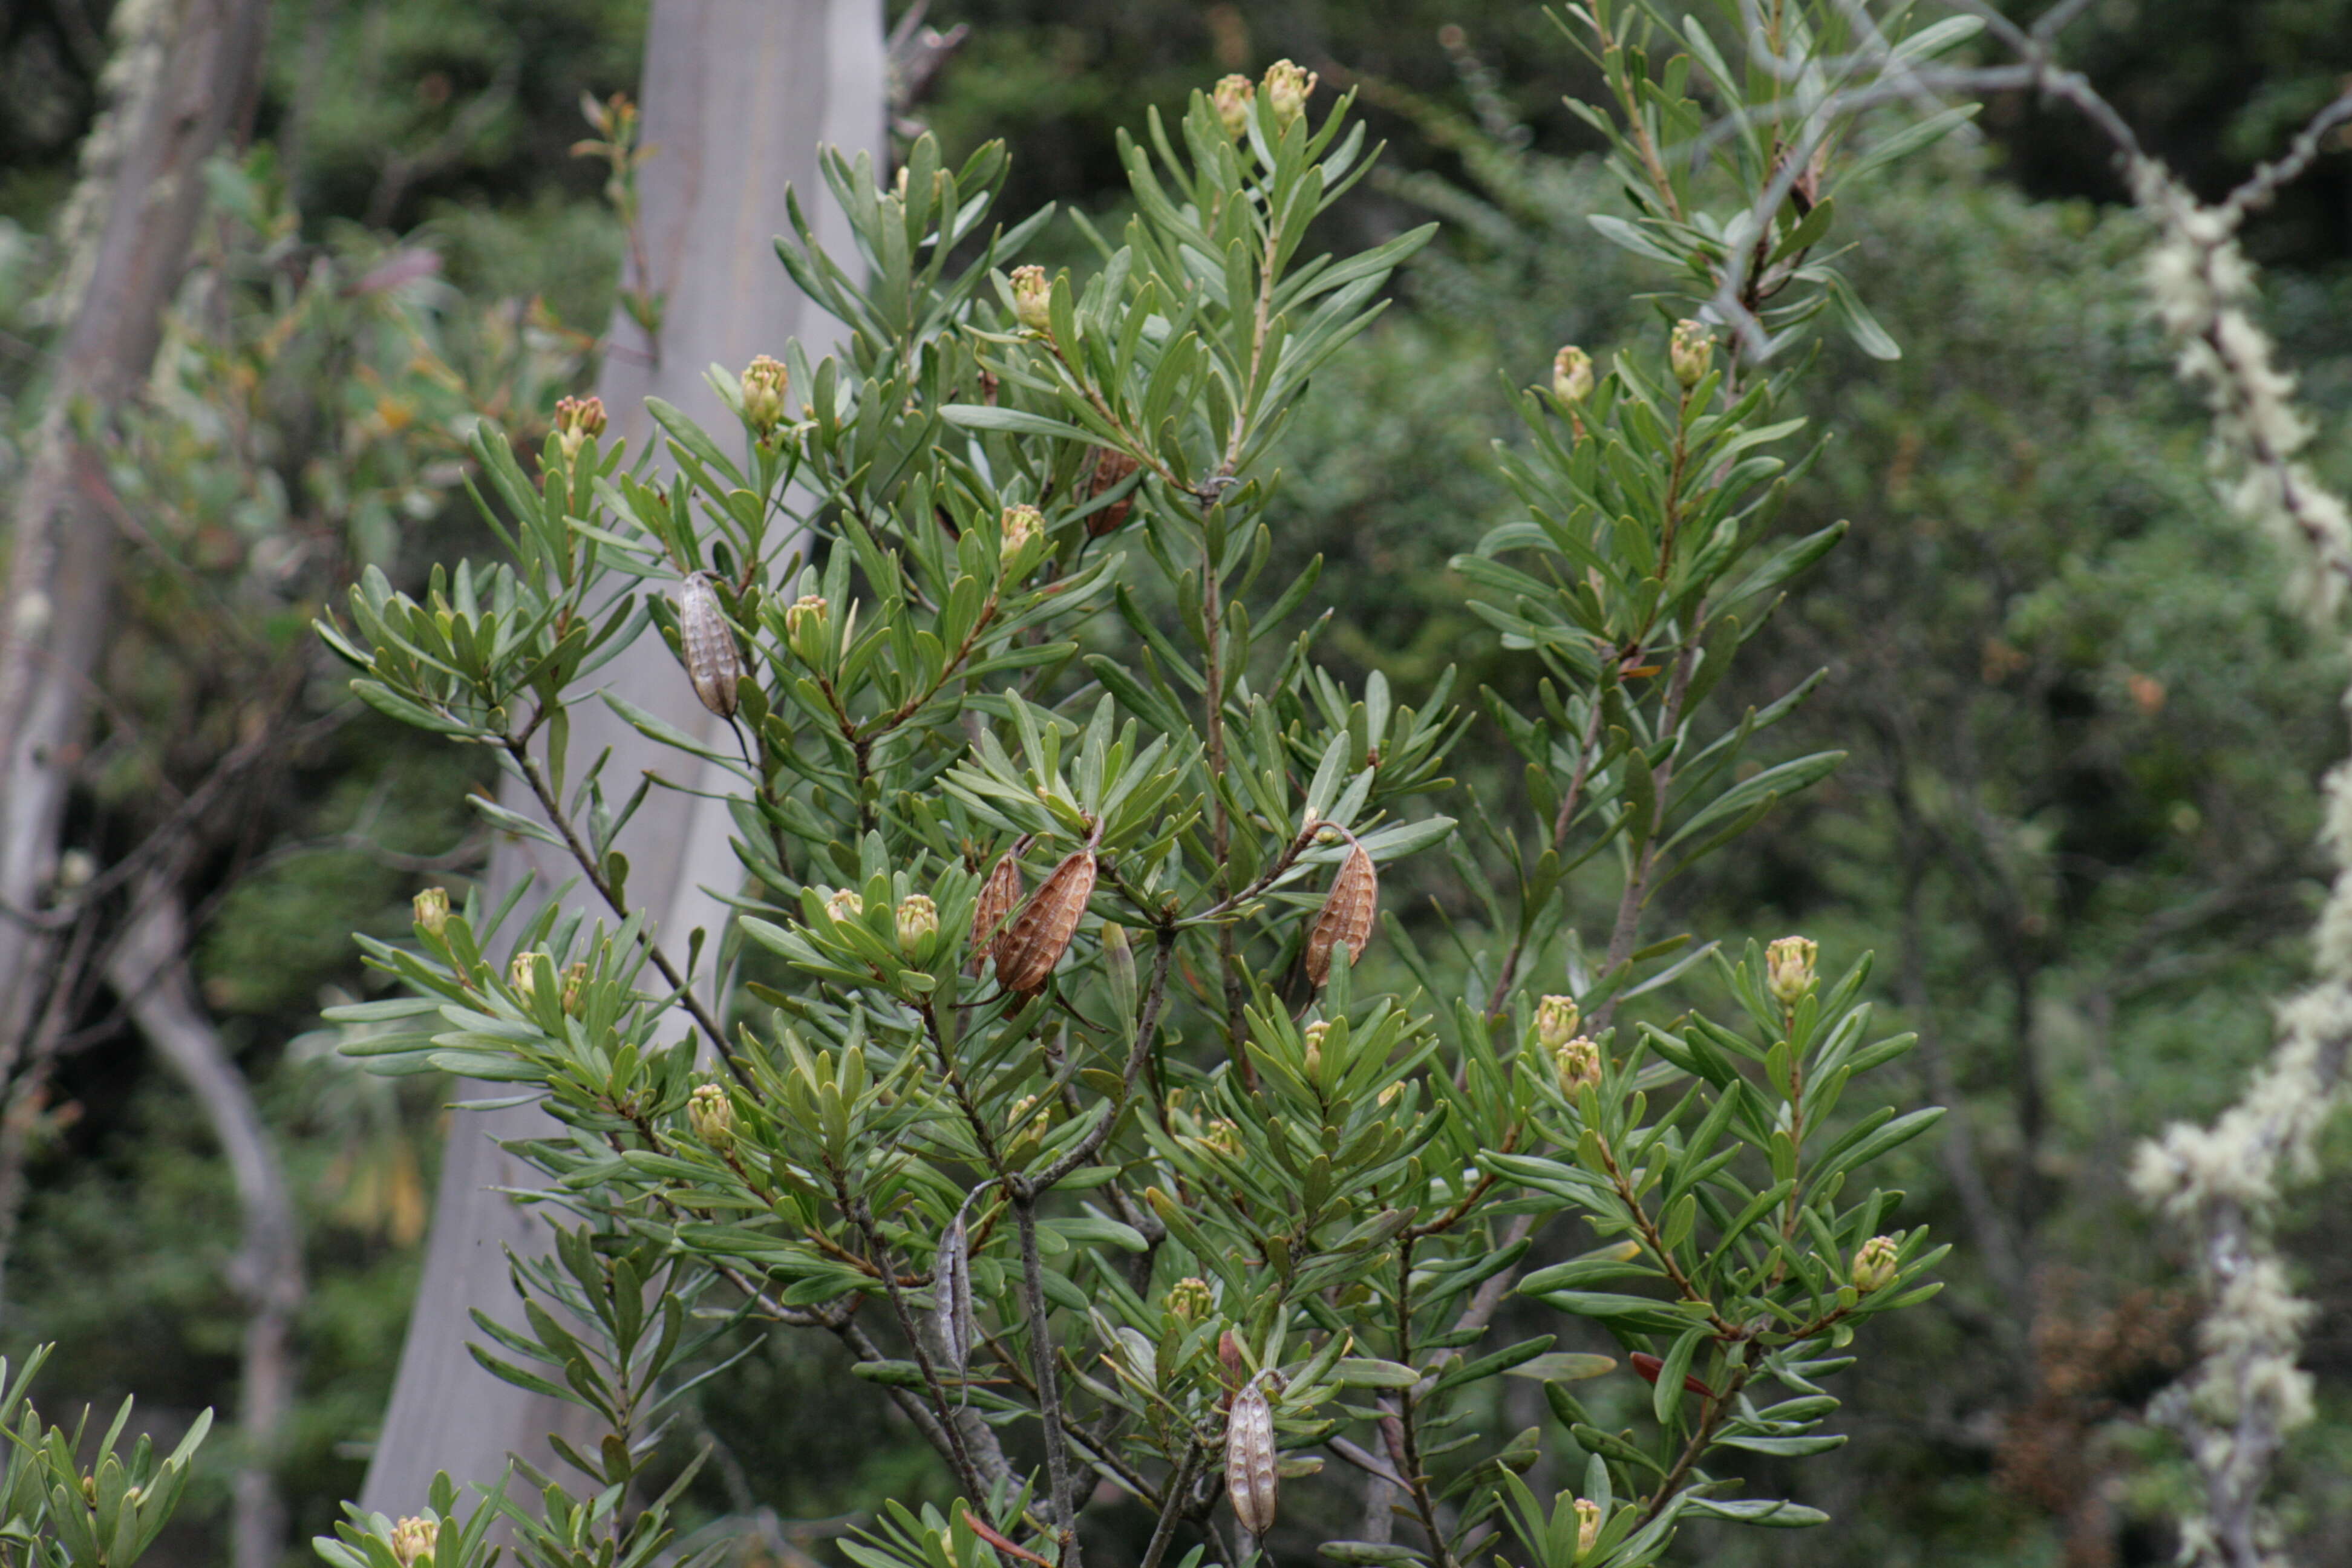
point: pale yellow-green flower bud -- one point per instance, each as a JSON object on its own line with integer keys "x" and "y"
{"x": 764, "y": 385}
{"x": 413, "y": 1541}
{"x": 1033, "y": 298}
{"x": 577, "y": 419}
{"x": 808, "y": 627}
{"x": 1875, "y": 1265}
{"x": 522, "y": 974}
{"x": 1317, "y": 1033}
{"x": 1571, "y": 376}
{"x": 1691, "y": 352}
{"x": 1222, "y": 1136}
{"x": 1286, "y": 89}
{"x": 712, "y": 1116}
{"x": 432, "y": 907}
{"x": 1189, "y": 1299}
{"x": 1788, "y": 969}
{"x": 1588, "y": 1524}
{"x": 1556, "y": 1021}
{"x": 844, "y": 905}
{"x": 575, "y": 977}
{"x": 1016, "y": 528}
{"x": 918, "y": 921}
{"x": 1234, "y": 96}
{"x": 1579, "y": 1064}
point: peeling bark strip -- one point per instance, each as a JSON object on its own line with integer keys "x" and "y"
{"x": 195, "y": 92}
{"x": 1041, "y": 932}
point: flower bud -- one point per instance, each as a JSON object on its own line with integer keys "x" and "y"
{"x": 1691, "y": 351}
{"x": 522, "y": 974}
{"x": 575, "y": 978}
{"x": 577, "y": 420}
{"x": 1234, "y": 96}
{"x": 808, "y": 626}
{"x": 413, "y": 1541}
{"x": 1579, "y": 1062}
{"x": 843, "y": 904}
{"x": 1588, "y": 1524}
{"x": 1219, "y": 1136}
{"x": 1317, "y": 1033}
{"x": 712, "y": 1116}
{"x": 1286, "y": 89}
{"x": 1875, "y": 1265}
{"x": 1033, "y": 298}
{"x": 762, "y": 385}
{"x": 1190, "y": 1299}
{"x": 1016, "y": 528}
{"x": 1556, "y": 1019}
{"x": 1387, "y": 1097}
{"x": 1571, "y": 376}
{"x": 432, "y": 907}
{"x": 918, "y": 921}
{"x": 1788, "y": 969}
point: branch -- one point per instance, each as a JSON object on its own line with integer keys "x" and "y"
{"x": 711, "y": 1029}
{"x": 1065, "y": 1509}
{"x": 1147, "y": 1031}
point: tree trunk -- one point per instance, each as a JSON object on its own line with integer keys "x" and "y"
{"x": 188, "y": 85}
{"x": 737, "y": 95}
{"x": 149, "y": 971}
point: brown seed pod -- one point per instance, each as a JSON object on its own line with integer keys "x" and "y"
{"x": 1346, "y": 915}
{"x": 997, "y": 897}
{"x": 1251, "y": 1472}
{"x": 1029, "y": 948}
{"x": 712, "y": 660}
{"x": 1110, "y": 468}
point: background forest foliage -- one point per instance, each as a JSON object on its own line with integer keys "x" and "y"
{"x": 2076, "y": 820}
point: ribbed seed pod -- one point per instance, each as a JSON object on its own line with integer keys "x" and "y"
{"x": 1346, "y": 915}
{"x": 997, "y": 897}
{"x": 1251, "y": 1473}
{"x": 1110, "y": 468}
{"x": 1029, "y": 948}
{"x": 712, "y": 660}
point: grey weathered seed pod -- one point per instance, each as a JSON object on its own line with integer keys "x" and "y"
{"x": 1029, "y": 948}
{"x": 712, "y": 660}
{"x": 997, "y": 897}
{"x": 1346, "y": 915}
{"x": 951, "y": 1288}
{"x": 1251, "y": 1473}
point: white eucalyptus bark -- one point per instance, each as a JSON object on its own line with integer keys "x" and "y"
{"x": 149, "y": 971}
{"x": 184, "y": 82}
{"x": 737, "y": 96}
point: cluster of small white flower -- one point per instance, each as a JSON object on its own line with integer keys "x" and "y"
{"x": 2223, "y": 1181}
